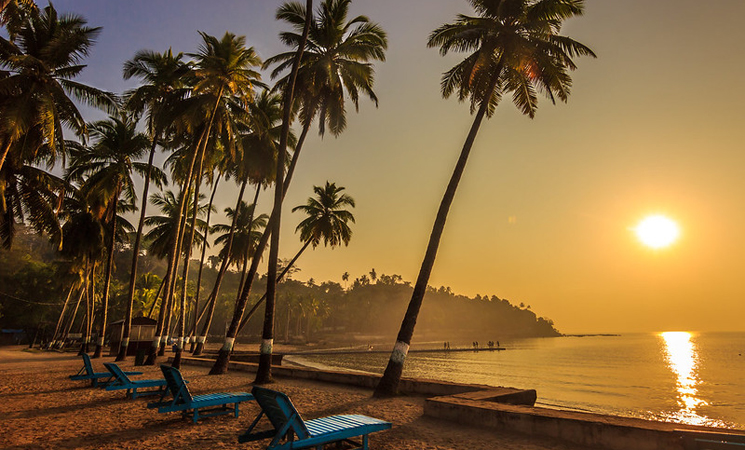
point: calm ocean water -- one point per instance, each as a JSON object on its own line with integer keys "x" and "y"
{"x": 694, "y": 378}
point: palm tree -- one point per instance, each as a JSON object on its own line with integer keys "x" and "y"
{"x": 163, "y": 238}
{"x": 40, "y": 60}
{"x": 163, "y": 77}
{"x": 246, "y": 234}
{"x": 333, "y": 64}
{"x": 255, "y": 163}
{"x": 223, "y": 73}
{"x": 515, "y": 47}
{"x": 327, "y": 221}
{"x": 106, "y": 170}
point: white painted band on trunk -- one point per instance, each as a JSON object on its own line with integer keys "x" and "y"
{"x": 125, "y": 342}
{"x": 100, "y": 342}
{"x": 228, "y": 345}
{"x": 201, "y": 339}
{"x": 156, "y": 341}
{"x": 180, "y": 343}
{"x": 266, "y": 346}
{"x": 400, "y": 350}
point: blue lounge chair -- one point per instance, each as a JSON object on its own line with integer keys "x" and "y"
{"x": 121, "y": 381}
{"x": 183, "y": 400}
{"x": 296, "y": 433}
{"x": 87, "y": 373}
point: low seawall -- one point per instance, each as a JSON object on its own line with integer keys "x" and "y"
{"x": 506, "y": 409}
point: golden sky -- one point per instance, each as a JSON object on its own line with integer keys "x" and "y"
{"x": 544, "y": 212}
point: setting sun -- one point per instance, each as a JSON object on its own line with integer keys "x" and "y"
{"x": 657, "y": 231}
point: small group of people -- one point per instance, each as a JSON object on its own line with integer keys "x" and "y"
{"x": 491, "y": 344}
{"x": 446, "y": 345}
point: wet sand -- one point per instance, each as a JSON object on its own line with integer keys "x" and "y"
{"x": 41, "y": 408}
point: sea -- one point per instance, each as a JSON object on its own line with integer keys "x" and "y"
{"x": 683, "y": 377}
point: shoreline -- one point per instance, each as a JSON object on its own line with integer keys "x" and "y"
{"x": 43, "y": 409}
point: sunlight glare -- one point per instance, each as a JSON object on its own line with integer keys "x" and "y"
{"x": 657, "y": 231}
{"x": 682, "y": 358}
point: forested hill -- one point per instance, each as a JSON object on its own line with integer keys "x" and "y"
{"x": 34, "y": 283}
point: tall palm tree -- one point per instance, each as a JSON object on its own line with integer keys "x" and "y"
{"x": 106, "y": 171}
{"x": 164, "y": 79}
{"x": 327, "y": 221}
{"x": 223, "y": 73}
{"x": 41, "y": 60}
{"x": 333, "y": 62}
{"x": 221, "y": 362}
{"x": 255, "y": 163}
{"x": 514, "y": 47}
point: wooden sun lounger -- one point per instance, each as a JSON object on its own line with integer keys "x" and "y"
{"x": 121, "y": 381}
{"x": 96, "y": 378}
{"x": 184, "y": 402}
{"x": 296, "y": 433}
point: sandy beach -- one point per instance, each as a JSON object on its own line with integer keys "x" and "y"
{"x": 40, "y": 408}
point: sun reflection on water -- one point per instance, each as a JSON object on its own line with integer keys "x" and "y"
{"x": 682, "y": 358}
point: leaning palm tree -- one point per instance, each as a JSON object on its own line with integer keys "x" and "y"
{"x": 164, "y": 79}
{"x": 106, "y": 171}
{"x": 515, "y": 47}
{"x": 327, "y": 221}
{"x": 40, "y": 61}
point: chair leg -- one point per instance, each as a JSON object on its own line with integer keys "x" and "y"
{"x": 196, "y": 415}
{"x": 236, "y": 410}
{"x": 364, "y": 442}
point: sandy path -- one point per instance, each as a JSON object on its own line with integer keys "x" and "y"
{"x": 40, "y": 408}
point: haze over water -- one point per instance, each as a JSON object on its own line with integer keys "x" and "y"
{"x": 679, "y": 377}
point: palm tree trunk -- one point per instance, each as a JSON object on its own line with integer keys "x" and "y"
{"x": 200, "y": 149}
{"x": 153, "y": 355}
{"x": 221, "y": 363}
{"x": 84, "y": 327}
{"x": 212, "y": 299}
{"x": 127, "y": 325}
{"x": 388, "y": 385}
{"x": 107, "y": 282}
{"x": 264, "y": 371}
{"x": 6, "y": 150}
{"x": 182, "y": 321}
{"x": 71, "y": 320}
{"x": 61, "y": 317}
{"x": 279, "y": 278}
{"x": 201, "y": 265}
{"x": 155, "y": 300}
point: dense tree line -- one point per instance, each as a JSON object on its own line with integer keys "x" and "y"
{"x": 34, "y": 280}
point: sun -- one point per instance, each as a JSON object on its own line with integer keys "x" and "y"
{"x": 657, "y": 231}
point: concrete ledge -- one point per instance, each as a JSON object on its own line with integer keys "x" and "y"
{"x": 591, "y": 430}
{"x": 506, "y": 409}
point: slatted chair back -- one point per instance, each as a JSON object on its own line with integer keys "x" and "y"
{"x": 118, "y": 373}
{"x": 87, "y": 364}
{"x": 176, "y": 385}
{"x": 281, "y": 413}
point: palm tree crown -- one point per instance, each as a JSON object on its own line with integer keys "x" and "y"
{"x": 335, "y": 60}
{"x": 327, "y": 219}
{"x": 514, "y": 46}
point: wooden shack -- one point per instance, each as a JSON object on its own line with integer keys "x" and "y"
{"x": 141, "y": 335}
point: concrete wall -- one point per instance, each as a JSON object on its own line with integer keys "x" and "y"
{"x": 504, "y": 409}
